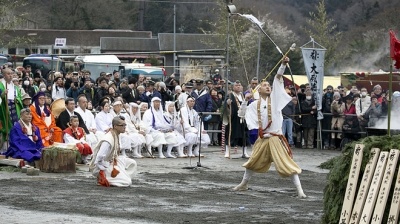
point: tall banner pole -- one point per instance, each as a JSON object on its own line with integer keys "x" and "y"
{"x": 314, "y": 66}
{"x": 389, "y": 100}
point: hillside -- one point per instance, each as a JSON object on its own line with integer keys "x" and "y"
{"x": 364, "y": 23}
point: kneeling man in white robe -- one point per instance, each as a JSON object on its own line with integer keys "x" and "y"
{"x": 110, "y": 164}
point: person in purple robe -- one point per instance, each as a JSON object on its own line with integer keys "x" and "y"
{"x": 25, "y": 140}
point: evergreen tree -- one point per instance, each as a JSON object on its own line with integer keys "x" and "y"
{"x": 322, "y": 29}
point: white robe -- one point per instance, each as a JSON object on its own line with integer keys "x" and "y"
{"x": 103, "y": 121}
{"x": 131, "y": 138}
{"x": 173, "y": 122}
{"x": 191, "y": 125}
{"x": 153, "y": 125}
{"x": 103, "y": 160}
{"x": 138, "y": 126}
{"x": 90, "y": 123}
{"x": 279, "y": 99}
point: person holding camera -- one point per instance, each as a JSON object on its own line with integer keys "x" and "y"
{"x": 88, "y": 90}
{"x": 73, "y": 90}
{"x": 58, "y": 90}
{"x": 130, "y": 93}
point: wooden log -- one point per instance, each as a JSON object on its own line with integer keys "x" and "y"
{"x": 352, "y": 184}
{"x": 364, "y": 186}
{"x": 12, "y": 162}
{"x": 385, "y": 186}
{"x": 373, "y": 189}
{"x": 58, "y": 160}
{"x": 395, "y": 205}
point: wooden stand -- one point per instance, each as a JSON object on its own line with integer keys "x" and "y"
{"x": 364, "y": 186}
{"x": 352, "y": 184}
{"x": 58, "y": 160}
{"x": 385, "y": 187}
{"x": 373, "y": 190}
{"x": 395, "y": 205}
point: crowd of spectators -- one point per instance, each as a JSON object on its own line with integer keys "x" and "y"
{"x": 347, "y": 113}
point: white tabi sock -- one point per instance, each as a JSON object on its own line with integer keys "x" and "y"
{"x": 160, "y": 153}
{"x": 227, "y": 154}
{"x": 136, "y": 153}
{"x": 190, "y": 149}
{"x": 246, "y": 177}
{"x": 296, "y": 182}
{"x": 245, "y": 152}
{"x": 169, "y": 149}
{"x": 180, "y": 152}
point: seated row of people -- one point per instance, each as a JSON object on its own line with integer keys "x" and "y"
{"x": 80, "y": 127}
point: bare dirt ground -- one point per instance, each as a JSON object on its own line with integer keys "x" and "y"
{"x": 164, "y": 192}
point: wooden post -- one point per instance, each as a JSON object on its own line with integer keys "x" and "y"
{"x": 364, "y": 186}
{"x": 373, "y": 190}
{"x": 58, "y": 160}
{"x": 352, "y": 184}
{"x": 395, "y": 205}
{"x": 385, "y": 186}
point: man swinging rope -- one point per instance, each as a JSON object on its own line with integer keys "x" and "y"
{"x": 265, "y": 115}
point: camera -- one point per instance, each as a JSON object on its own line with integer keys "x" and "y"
{"x": 76, "y": 84}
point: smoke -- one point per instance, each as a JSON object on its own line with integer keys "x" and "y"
{"x": 394, "y": 119}
{"x": 368, "y": 54}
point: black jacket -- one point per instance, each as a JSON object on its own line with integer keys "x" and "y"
{"x": 130, "y": 95}
{"x": 63, "y": 121}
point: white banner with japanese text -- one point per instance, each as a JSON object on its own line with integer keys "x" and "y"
{"x": 314, "y": 66}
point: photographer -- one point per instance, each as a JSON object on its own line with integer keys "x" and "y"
{"x": 58, "y": 90}
{"x": 73, "y": 91}
{"x": 166, "y": 94}
{"x": 88, "y": 90}
{"x": 130, "y": 93}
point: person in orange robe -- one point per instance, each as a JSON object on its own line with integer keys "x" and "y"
{"x": 44, "y": 120}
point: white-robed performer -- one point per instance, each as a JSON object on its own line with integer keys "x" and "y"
{"x": 104, "y": 119}
{"x": 88, "y": 118}
{"x": 110, "y": 165}
{"x": 130, "y": 137}
{"x": 265, "y": 115}
{"x": 153, "y": 119}
{"x": 137, "y": 126}
{"x": 174, "y": 123}
{"x": 191, "y": 126}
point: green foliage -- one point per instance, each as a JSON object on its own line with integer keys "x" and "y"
{"x": 11, "y": 17}
{"x": 152, "y": 60}
{"x": 10, "y": 169}
{"x": 340, "y": 168}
